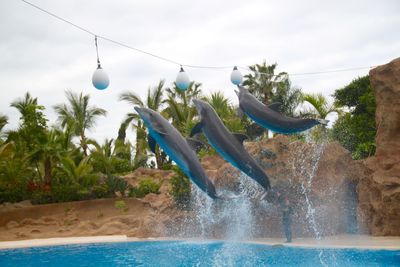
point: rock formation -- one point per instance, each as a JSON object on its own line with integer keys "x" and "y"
{"x": 379, "y": 193}
{"x": 319, "y": 179}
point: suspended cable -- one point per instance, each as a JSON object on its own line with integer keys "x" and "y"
{"x": 122, "y": 44}
{"x": 308, "y": 73}
{"x": 173, "y": 61}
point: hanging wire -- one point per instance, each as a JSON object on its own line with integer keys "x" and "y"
{"x": 307, "y": 73}
{"x": 173, "y": 61}
{"x": 97, "y": 52}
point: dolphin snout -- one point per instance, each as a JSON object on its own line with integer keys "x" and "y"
{"x": 197, "y": 104}
{"x": 138, "y": 110}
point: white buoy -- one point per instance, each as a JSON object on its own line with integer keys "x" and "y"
{"x": 236, "y": 76}
{"x": 182, "y": 80}
{"x": 100, "y": 79}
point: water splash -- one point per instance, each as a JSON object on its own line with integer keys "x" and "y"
{"x": 236, "y": 215}
{"x": 307, "y": 166}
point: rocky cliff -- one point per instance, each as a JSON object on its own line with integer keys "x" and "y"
{"x": 379, "y": 192}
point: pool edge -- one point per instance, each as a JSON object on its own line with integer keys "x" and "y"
{"x": 338, "y": 242}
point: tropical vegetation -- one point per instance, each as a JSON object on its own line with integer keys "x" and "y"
{"x": 356, "y": 128}
{"x": 60, "y": 163}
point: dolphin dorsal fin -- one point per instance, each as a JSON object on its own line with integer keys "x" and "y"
{"x": 196, "y": 145}
{"x": 152, "y": 143}
{"x": 275, "y": 106}
{"x": 240, "y": 137}
{"x": 196, "y": 129}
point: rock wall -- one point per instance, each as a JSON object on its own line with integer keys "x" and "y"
{"x": 379, "y": 192}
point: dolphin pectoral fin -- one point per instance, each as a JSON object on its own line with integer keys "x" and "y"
{"x": 157, "y": 127}
{"x": 240, "y": 137}
{"x": 240, "y": 112}
{"x": 196, "y": 129}
{"x": 196, "y": 145}
{"x": 276, "y": 106}
{"x": 152, "y": 143}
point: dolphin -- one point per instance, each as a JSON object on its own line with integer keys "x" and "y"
{"x": 228, "y": 145}
{"x": 269, "y": 116}
{"x": 177, "y": 148}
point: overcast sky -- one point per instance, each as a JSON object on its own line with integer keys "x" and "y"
{"x": 46, "y": 57}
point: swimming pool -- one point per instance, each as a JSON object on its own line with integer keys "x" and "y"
{"x": 186, "y": 253}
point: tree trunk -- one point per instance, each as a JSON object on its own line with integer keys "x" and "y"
{"x": 47, "y": 172}
{"x": 83, "y": 144}
{"x": 159, "y": 159}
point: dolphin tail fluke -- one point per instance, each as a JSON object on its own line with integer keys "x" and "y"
{"x": 323, "y": 122}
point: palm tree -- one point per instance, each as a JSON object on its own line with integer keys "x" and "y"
{"x": 180, "y": 108}
{"x": 102, "y": 155}
{"x": 154, "y": 98}
{"x": 288, "y": 96}
{"x": 15, "y": 170}
{"x": 269, "y": 87}
{"x": 80, "y": 173}
{"x": 3, "y": 121}
{"x": 33, "y": 122}
{"x": 154, "y": 101}
{"x": 319, "y": 110}
{"x": 225, "y": 111}
{"x": 320, "y": 106}
{"x": 263, "y": 82}
{"x": 26, "y": 106}
{"x": 48, "y": 151}
{"x": 78, "y": 116}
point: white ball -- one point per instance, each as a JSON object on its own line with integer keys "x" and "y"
{"x": 182, "y": 80}
{"x": 236, "y": 76}
{"x": 100, "y": 79}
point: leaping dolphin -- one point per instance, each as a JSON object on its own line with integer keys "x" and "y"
{"x": 176, "y": 147}
{"x": 228, "y": 145}
{"x": 269, "y": 116}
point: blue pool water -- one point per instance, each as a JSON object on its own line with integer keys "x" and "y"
{"x": 185, "y": 253}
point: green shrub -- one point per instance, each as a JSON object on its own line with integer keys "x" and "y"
{"x": 116, "y": 184}
{"x": 180, "y": 189}
{"x": 13, "y": 194}
{"x": 121, "y": 165}
{"x": 41, "y": 197}
{"x": 121, "y": 205}
{"x": 146, "y": 186}
{"x": 62, "y": 193}
{"x": 85, "y": 194}
{"x": 100, "y": 191}
{"x": 167, "y": 166}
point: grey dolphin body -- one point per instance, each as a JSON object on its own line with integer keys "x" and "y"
{"x": 269, "y": 117}
{"x": 176, "y": 147}
{"x": 228, "y": 145}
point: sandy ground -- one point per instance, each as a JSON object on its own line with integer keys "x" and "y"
{"x": 82, "y": 218}
{"x": 340, "y": 241}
